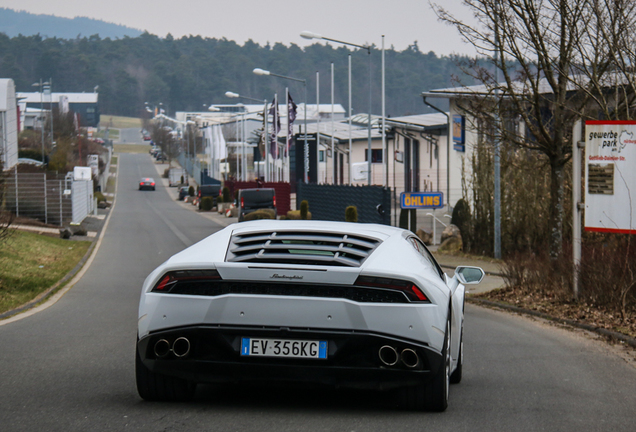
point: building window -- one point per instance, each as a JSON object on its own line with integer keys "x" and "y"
{"x": 376, "y": 155}
{"x": 321, "y": 155}
{"x": 90, "y": 110}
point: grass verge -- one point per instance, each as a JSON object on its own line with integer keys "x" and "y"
{"x": 31, "y": 263}
{"x": 119, "y": 122}
{"x": 131, "y": 148}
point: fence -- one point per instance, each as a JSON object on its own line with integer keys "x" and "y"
{"x": 38, "y": 196}
{"x": 328, "y": 202}
{"x": 48, "y": 197}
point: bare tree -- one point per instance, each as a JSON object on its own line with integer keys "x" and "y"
{"x": 559, "y": 62}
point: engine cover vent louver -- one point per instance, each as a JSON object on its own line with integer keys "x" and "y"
{"x": 301, "y": 247}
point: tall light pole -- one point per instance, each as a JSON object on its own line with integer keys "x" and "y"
{"x": 265, "y": 137}
{"x": 259, "y": 71}
{"x": 312, "y": 35}
{"x": 39, "y": 85}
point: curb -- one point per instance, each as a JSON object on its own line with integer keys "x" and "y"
{"x": 599, "y": 330}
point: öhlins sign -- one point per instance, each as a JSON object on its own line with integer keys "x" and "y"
{"x": 421, "y": 200}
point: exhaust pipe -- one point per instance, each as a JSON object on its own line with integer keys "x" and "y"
{"x": 388, "y": 355}
{"x": 181, "y": 347}
{"x": 162, "y": 348}
{"x": 410, "y": 358}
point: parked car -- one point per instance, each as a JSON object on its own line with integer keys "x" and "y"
{"x": 308, "y": 302}
{"x": 160, "y": 157}
{"x": 250, "y": 200}
{"x": 154, "y": 150}
{"x": 147, "y": 183}
{"x": 209, "y": 190}
{"x": 183, "y": 192}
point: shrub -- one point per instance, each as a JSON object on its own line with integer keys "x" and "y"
{"x": 207, "y": 203}
{"x": 461, "y": 219}
{"x": 304, "y": 209}
{"x": 191, "y": 191}
{"x": 182, "y": 180}
{"x": 30, "y": 154}
{"x": 226, "y": 194}
{"x": 351, "y": 214}
{"x": 220, "y": 199}
{"x": 261, "y": 214}
{"x": 99, "y": 196}
{"x": 295, "y": 215}
{"x": 166, "y": 173}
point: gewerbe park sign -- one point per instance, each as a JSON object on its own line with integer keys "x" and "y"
{"x": 610, "y": 176}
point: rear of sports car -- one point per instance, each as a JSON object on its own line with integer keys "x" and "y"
{"x": 336, "y": 304}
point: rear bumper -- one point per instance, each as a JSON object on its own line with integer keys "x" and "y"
{"x": 352, "y": 359}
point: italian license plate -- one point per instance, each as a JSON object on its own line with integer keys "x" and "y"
{"x": 283, "y": 348}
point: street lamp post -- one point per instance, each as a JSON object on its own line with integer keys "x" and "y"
{"x": 259, "y": 71}
{"x": 39, "y": 85}
{"x": 264, "y": 101}
{"x": 312, "y": 35}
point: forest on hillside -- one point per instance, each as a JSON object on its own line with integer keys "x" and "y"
{"x": 185, "y": 74}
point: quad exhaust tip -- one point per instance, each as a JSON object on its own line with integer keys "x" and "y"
{"x": 162, "y": 348}
{"x": 181, "y": 347}
{"x": 388, "y": 355}
{"x": 410, "y": 358}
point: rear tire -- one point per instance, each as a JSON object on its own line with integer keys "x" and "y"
{"x": 156, "y": 387}
{"x": 456, "y": 376}
{"x": 434, "y": 396}
{"x": 437, "y": 394}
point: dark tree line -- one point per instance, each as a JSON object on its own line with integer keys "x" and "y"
{"x": 183, "y": 74}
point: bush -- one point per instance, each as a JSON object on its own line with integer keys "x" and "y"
{"x": 226, "y": 194}
{"x": 166, "y": 173}
{"x": 461, "y": 219}
{"x": 182, "y": 180}
{"x": 99, "y": 197}
{"x": 304, "y": 209}
{"x": 191, "y": 191}
{"x": 207, "y": 203}
{"x": 219, "y": 199}
{"x": 30, "y": 154}
{"x": 261, "y": 214}
{"x": 295, "y": 215}
{"x": 351, "y": 214}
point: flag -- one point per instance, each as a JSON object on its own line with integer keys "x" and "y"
{"x": 291, "y": 116}
{"x": 275, "y": 128}
{"x": 221, "y": 149}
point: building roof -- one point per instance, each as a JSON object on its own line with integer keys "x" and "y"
{"x": 34, "y": 97}
{"x": 5, "y": 85}
{"x": 420, "y": 121}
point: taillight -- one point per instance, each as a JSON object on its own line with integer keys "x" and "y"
{"x": 171, "y": 279}
{"x": 412, "y": 291}
{"x": 152, "y": 184}
{"x": 274, "y": 201}
{"x": 242, "y": 202}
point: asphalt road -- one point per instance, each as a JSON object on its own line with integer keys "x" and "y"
{"x": 131, "y": 136}
{"x": 71, "y": 366}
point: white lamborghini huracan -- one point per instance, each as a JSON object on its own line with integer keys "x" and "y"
{"x": 335, "y": 303}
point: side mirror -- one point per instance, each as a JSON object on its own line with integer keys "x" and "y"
{"x": 469, "y": 275}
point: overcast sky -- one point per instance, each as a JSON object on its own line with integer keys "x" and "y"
{"x": 357, "y": 21}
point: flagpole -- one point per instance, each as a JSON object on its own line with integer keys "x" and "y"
{"x": 333, "y": 148}
{"x": 286, "y": 153}
{"x": 350, "y": 140}
{"x": 317, "y": 126}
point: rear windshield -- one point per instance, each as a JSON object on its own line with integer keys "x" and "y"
{"x": 257, "y": 199}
